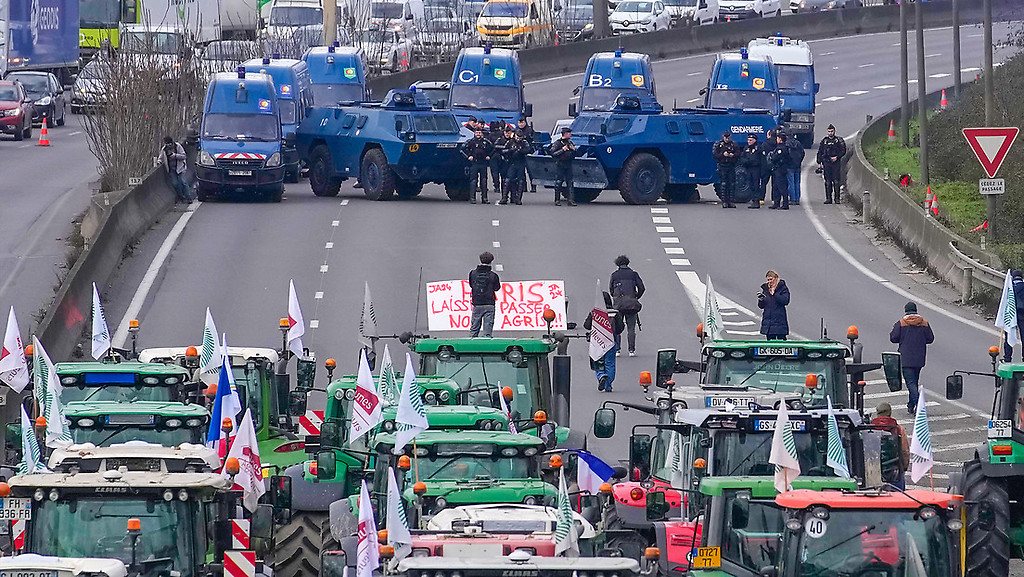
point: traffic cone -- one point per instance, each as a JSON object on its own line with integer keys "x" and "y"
{"x": 935, "y": 204}
{"x": 928, "y": 200}
{"x": 892, "y": 131}
{"x": 44, "y": 136}
{"x": 943, "y": 103}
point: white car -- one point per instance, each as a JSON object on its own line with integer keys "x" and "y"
{"x": 390, "y": 49}
{"x": 639, "y": 16}
{"x": 744, "y": 9}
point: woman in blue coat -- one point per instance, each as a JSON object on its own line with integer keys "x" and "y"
{"x": 773, "y": 299}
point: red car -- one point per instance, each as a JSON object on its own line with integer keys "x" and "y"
{"x": 15, "y": 110}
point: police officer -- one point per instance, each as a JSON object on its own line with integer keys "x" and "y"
{"x": 478, "y": 150}
{"x": 496, "y": 134}
{"x": 767, "y": 146}
{"x": 526, "y": 133}
{"x": 564, "y": 150}
{"x": 830, "y": 156}
{"x": 516, "y": 150}
{"x": 726, "y": 153}
{"x": 778, "y": 162}
{"x": 751, "y": 160}
{"x": 796, "y": 158}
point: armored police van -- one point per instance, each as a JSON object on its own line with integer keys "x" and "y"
{"x": 794, "y": 67}
{"x": 294, "y": 96}
{"x": 740, "y": 81}
{"x": 240, "y": 138}
{"x": 488, "y": 84}
{"x": 610, "y": 74}
{"x": 338, "y": 74}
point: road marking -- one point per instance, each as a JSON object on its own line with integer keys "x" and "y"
{"x": 829, "y": 53}
{"x": 692, "y": 100}
{"x": 669, "y": 240}
{"x": 884, "y": 395}
{"x": 674, "y": 250}
{"x": 857, "y": 92}
{"x": 323, "y": 268}
{"x": 955, "y": 447}
{"x": 694, "y": 73}
{"x": 679, "y": 261}
{"x": 135, "y": 306}
{"x": 738, "y": 323}
{"x": 972, "y": 69}
{"x": 329, "y": 246}
{"x": 661, "y": 220}
{"x": 747, "y": 333}
{"x": 75, "y": 133}
{"x": 931, "y": 55}
{"x": 729, "y": 313}
{"x": 496, "y": 244}
{"x": 494, "y": 223}
{"x": 661, "y": 229}
{"x": 25, "y": 146}
{"x": 975, "y": 35}
{"x": 314, "y": 324}
{"x": 885, "y": 86}
{"x": 344, "y": 202}
{"x": 335, "y": 222}
{"x": 939, "y": 75}
{"x": 956, "y": 432}
{"x": 499, "y": 268}
{"x": 833, "y": 98}
{"x": 659, "y": 210}
{"x": 318, "y": 295}
{"x": 868, "y": 65}
{"x": 938, "y": 418}
{"x": 695, "y": 290}
{"x": 914, "y": 81}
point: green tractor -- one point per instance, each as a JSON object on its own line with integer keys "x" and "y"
{"x": 991, "y": 482}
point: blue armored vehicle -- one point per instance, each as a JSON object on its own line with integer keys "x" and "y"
{"x": 742, "y": 81}
{"x": 647, "y": 154}
{"x": 487, "y": 83}
{"x": 392, "y": 147}
{"x": 338, "y": 74}
{"x": 611, "y": 74}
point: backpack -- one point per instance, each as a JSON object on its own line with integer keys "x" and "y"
{"x": 625, "y": 301}
{"x": 894, "y": 449}
{"x": 481, "y": 286}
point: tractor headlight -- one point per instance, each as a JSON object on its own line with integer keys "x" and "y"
{"x": 54, "y": 495}
{"x": 172, "y": 423}
{"x": 68, "y": 380}
{"x": 430, "y": 397}
{"x": 444, "y": 396}
{"x": 168, "y": 495}
{"x": 86, "y": 423}
{"x": 151, "y": 380}
{"x": 193, "y": 422}
{"x": 531, "y": 500}
{"x": 182, "y": 495}
{"x": 39, "y": 495}
{"x": 440, "y": 503}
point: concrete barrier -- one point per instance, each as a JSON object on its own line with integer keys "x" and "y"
{"x": 69, "y": 318}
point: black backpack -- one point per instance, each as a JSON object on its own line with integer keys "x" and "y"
{"x": 481, "y": 285}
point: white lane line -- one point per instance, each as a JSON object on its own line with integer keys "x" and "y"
{"x": 738, "y": 323}
{"x": 955, "y": 447}
{"x": 829, "y": 53}
{"x": 885, "y": 395}
{"x": 868, "y": 65}
{"x": 972, "y": 69}
{"x": 729, "y": 313}
{"x": 692, "y": 100}
{"x": 335, "y": 222}
{"x": 496, "y": 244}
{"x": 75, "y": 133}
{"x": 318, "y": 295}
{"x": 664, "y": 229}
{"x": 659, "y": 210}
{"x": 323, "y": 268}
{"x": 135, "y": 306}
{"x": 25, "y": 146}
{"x": 669, "y": 240}
{"x": 695, "y": 290}
{"x": 674, "y": 250}
{"x": 939, "y": 418}
{"x": 931, "y": 55}
{"x": 329, "y": 245}
{"x": 694, "y": 73}
{"x": 494, "y": 223}
{"x": 344, "y": 202}
{"x": 956, "y": 432}
{"x": 832, "y": 98}
{"x": 679, "y": 261}
{"x": 885, "y": 86}
{"x": 914, "y": 81}
{"x": 661, "y": 220}
{"x": 975, "y": 35}
{"x": 939, "y": 75}
{"x": 857, "y": 92}
{"x": 314, "y": 324}
{"x": 499, "y": 268}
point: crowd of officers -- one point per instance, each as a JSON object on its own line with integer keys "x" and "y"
{"x": 500, "y": 148}
{"x": 744, "y": 172}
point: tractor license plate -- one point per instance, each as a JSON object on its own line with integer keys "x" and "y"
{"x": 769, "y": 425}
{"x": 472, "y": 550}
{"x": 999, "y": 429}
{"x": 15, "y": 509}
{"x": 775, "y": 351}
{"x": 239, "y": 173}
{"x": 705, "y": 557}
{"x": 718, "y": 401}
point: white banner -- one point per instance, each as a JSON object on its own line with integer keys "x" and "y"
{"x": 519, "y": 305}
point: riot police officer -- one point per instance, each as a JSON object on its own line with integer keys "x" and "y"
{"x": 564, "y": 150}
{"x": 726, "y": 153}
{"x": 751, "y": 160}
{"x": 527, "y": 134}
{"x": 516, "y": 150}
{"x": 779, "y": 161}
{"x": 478, "y": 151}
{"x": 496, "y": 134}
{"x": 830, "y": 157}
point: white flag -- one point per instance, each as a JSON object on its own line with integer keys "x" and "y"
{"x": 399, "y": 536}
{"x": 411, "y": 418}
{"x": 512, "y": 428}
{"x": 566, "y": 539}
{"x": 296, "y": 326}
{"x": 1006, "y": 317}
{"x": 602, "y": 337}
{"x": 367, "y": 552}
{"x": 387, "y": 384}
{"x": 30, "y": 455}
{"x": 712, "y": 316}
{"x": 368, "y": 320}
{"x": 783, "y": 455}
{"x": 210, "y": 355}
{"x": 100, "y": 333}
{"x": 835, "y": 456}
{"x": 246, "y": 449}
{"x": 47, "y": 392}
{"x": 366, "y": 406}
{"x": 13, "y": 366}
{"x": 921, "y": 460}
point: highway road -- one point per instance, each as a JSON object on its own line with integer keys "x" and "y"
{"x": 237, "y": 258}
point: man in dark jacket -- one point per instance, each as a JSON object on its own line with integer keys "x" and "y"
{"x": 913, "y": 335}
{"x": 483, "y": 283}
{"x": 751, "y": 161}
{"x": 1018, "y": 297}
{"x": 767, "y": 146}
{"x": 830, "y": 157}
{"x": 626, "y": 288}
{"x": 726, "y": 154}
{"x": 478, "y": 150}
{"x": 778, "y": 163}
{"x": 564, "y": 150}
{"x": 796, "y": 158}
{"x": 526, "y": 132}
{"x": 773, "y": 298}
{"x": 515, "y": 174}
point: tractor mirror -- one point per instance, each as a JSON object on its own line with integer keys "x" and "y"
{"x": 892, "y": 366}
{"x": 297, "y": 403}
{"x": 305, "y": 373}
{"x": 739, "y": 513}
{"x": 640, "y": 456}
{"x": 281, "y": 492}
{"x": 330, "y": 433}
{"x": 666, "y": 366}
{"x": 528, "y": 109}
{"x": 326, "y": 465}
{"x": 657, "y": 505}
{"x": 604, "y": 423}
{"x": 572, "y": 109}
{"x": 954, "y": 387}
{"x": 262, "y": 522}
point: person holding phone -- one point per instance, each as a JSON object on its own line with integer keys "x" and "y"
{"x": 772, "y": 299}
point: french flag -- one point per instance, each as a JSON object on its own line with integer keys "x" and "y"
{"x": 226, "y": 405}
{"x": 592, "y": 472}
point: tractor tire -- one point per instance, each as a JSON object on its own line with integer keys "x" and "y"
{"x": 643, "y": 179}
{"x": 376, "y": 176}
{"x": 585, "y": 195}
{"x": 297, "y": 545}
{"x": 681, "y": 193}
{"x": 458, "y": 191}
{"x": 321, "y": 168}
{"x": 408, "y": 189}
{"x": 632, "y": 545}
{"x": 988, "y": 523}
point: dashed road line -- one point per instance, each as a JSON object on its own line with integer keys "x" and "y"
{"x": 885, "y": 86}
{"x": 939, "y": 75}
{"x": 318, "y": 295}
{"x": 664, "y": 229}
{"x": 329, "y": 245}
{"x": 496, "y": 244}
{"x": 833, "y": 99}
{"x": 323, "y": 268}
{"x": 857, "y": 92}
{"x": 674, "y": 250}
{"x": 669, "y": 240}
{"x": 659, "y": 210}
{"x": 679, "y": 261}
{"x": 661, "y": 219}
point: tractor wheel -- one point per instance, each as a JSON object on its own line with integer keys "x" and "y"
{"x": 642, "y": 180}
{"x": 632, "y": 545}
{"x": 988, "y": 522}
{"x": 376, "y": 176}
{"x": 458, "y": 191}
{"x": 321, "y": 170}
{"x": 297, "y": 545}
{"x": 681, "y": 193}
{"x": 584, "y": 195}
{"x": 408, "y": 189}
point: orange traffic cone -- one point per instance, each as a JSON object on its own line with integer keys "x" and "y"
{"x": 943, "y": 103}
{"x": 44, "y": 136}
{"x": 935, "y": 204}
{"x": 928, "y": 198}
{"x": 892, "y": 131}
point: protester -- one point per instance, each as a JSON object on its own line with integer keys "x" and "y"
{"x": 626, "y": 288}
{"x": 894, "y": 466}
{"x": 913, "y": 334}
{"x": 604, "y": 369}
{"x": 173, "y": 159}
{"x": 773, "y": 298}
{"x": 483, "y": 284}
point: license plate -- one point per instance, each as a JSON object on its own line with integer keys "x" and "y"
{"x": 775, "y": 351}
{"x": 239, "y": 173}
{"x": 447, "y": 145}
{"x": 27, "y": 573}
{"x": 705, "y": 557}
{"x": 999, "y": 429}
{"x": 717, "y": 402}
{"x": 769, "y": 425}
{"x": 472, "y": 549}
{"x": 130, "y": 419}
{"x": 15, "y": 509}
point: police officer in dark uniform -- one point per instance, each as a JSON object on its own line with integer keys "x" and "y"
{"x": 726, "y": 153}
{"x": 751, "y": 160}
{"x": 564, "y": 150}
{"x": 526, "y": 133}
{"x": 496, "y": 134}
{"x": 830, "y": 157}
{"x": 516, "y": 150}
{"x": 778, "y": 162}
{"x": 478, "y": 150}
{"x": 767, "y": 146}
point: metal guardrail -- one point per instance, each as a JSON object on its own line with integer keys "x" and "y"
{"x": 982, "y": 272}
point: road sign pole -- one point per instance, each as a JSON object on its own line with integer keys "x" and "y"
{"x": 904, "y": 79}
{"x": 989, "y": 82}
{"x": 956, "y": 49}
{"x": 922, "y": 106}
{"x": 990, "y": 214}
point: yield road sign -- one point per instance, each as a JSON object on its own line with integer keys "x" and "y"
{"x": 990, "y": 146}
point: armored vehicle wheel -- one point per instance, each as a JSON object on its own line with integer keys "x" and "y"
{"x": 642, "y": 180}
{"x": 680, "y": 193}
{"x": 988, "y": 522}
{"x": 376, "y": 176}
{"x": 408, "y": 189}
{"x": 458, "y": 191}
{"x": 277, "y": 195}
{"x": 586, "y": 194}
{"x": 297, "y": 545}
{"x": 321, "y": 179}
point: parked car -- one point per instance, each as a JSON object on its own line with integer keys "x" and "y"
{"x": 817, "y": 5}
{"x": 441, "y": 39}
{"x": 15, "y": 110}
{"x": 572, "y": 20}
{"x": 390, "y": 49}
{"x": 47, "y": 94}
{"x": 89, "y": 92}
{"x": 744, "y": 9}
{"x": 639, "y": 16}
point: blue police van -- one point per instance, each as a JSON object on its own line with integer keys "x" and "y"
{"x": 740, "y": 81}
{"x": 294, "y": 96}
{"x": 240, "y": 147}
{"x": 487, "y": 83}
{"x": 611, "y": 74}
{"x": 338, "y": 74}
{"x": 794, "y": 67}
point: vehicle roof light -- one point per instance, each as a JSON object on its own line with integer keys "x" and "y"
{"x": 275, "y": 56}
{"x": 618, "y": 53}
{"x": 555, "y": 461}
{"x": 241, "y": 71}
{"x": 645, "y": 378}
{"x": 853, "y": 332}
{"x": 232, "y": 466}
{"x": 743, "y": 53}
{"x": 811, "y": 381}
{"x": 266, "y": 60}
{"x": 331, "y": 50}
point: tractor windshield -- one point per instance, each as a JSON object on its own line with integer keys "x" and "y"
{"x": 463, "y": 467}
{"x": 96, "y": 392}
{"x": 877, "y": 542}
{"x": 780, "y": 374}
{"x": 96, "y": 527}
{"x": 479, "y": 375}
{"x": 106, "y": 435}
{"x": 673, "y": 453}
{"x": 752, "y": 531}
{"x": 737, "y": 452}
